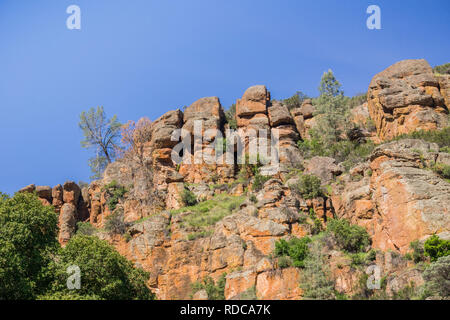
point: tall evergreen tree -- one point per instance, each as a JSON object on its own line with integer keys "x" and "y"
{"x": 331, "y": 109}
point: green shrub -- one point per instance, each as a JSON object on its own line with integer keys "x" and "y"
{"x": 215, "y": 290}
{"x": 28, "y": 233}
{"x": 351, "y": 238}
{"x": 295, "y": 101}
{"x": 441, "y": 137}
{"x": 418, "y": 253}
{"x": 308, "y": 186}
{"x": 114, "y": 192}
{"x": 105, "y": 273}
{"x": 188, "y": 198}
{"x": 295, "y": 248}
{"x": 442, "y": 69}
{"x": 258, "y": 181}
{"x": 230, "y": 115}
{"x": 442, "y": 169}
{"x": 345, "y": 151}
{"x": 436, "y": 278}
{"x": 253, "y": 198}
{"x": 198, "y": 235}
{"x": 316, "y": 278}
{"x": 436, "y": 248}
{"x": 85, "y": 228}
{"x": 115, "y": 223}
{"x": 317, "y": 224}
{"x": 284, "y": 262}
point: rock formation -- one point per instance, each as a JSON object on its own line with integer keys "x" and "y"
{"x": 406, "y": 97}
{"x": 391, "y": 194}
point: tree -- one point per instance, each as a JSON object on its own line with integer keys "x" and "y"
{"x": 331, "y": 110}
{"x": 105, "y": 274}
{"x": 135, "y": 136}
{"x": 317, "y": 283}
{"x": 437, "y": 279}
{"x": 230, "y": 115}
{"x": 28, "y": 232}
{"x": 296, "y": 100}
{"x": 102, "y": 134}
{"x": 436, "y": 248}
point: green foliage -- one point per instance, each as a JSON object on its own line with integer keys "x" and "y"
{"x": 295, "y": 101}
{"x": 207, "y": 213}
{"x": 436, "y": 248}
{"x": 442, "y": 169}
{"x": 85, "y": 228}
{"x": 316, "y": 280}
{"x": 115, "y": 192}
{"x": 441, "y": 137}
{"x": 317, "y": 225}
{"x": 418, "y": 253}
{"x": 104, "y": 272}
{"x": 67, "y": 296}
{"x": 249, "y": 294}
{"x": 188, "y": 198}
{"x": 357, "y": 100}
{"x": 198, "y": 235}
{"x": 308, "y": 186}
{"x": 436, "y": 278}
{"x": 331, "y": 108}
{"x": 362, "y": 258}
{"x": 215, "y": 290}
{"x": 28, "y": 232}
{"x": 258, "y": 181}
{"x": 351, "y": 238}
{"x": 115, "y": 223}
{"x": 348, "y": 152}
{"x": 101, "y": 134}
{"x": 442, "y": 69}
{"x": 295, "y": 248}
{"x": 230, "y": 115}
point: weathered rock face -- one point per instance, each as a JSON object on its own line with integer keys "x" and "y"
{"x": 406, "y": 97}
{"x": 304, "y": 118}
{"x": 67, "y": 222}
{"x": 401, "y": 200}
{"x": 323, "y": 167}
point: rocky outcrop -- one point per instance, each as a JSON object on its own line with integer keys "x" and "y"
{"x": 396, "y": 198}
{"x": 304, "y": 118}
{"x": 406, "y": 97}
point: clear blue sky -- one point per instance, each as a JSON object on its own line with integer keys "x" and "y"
{"x": 145, "y": 57}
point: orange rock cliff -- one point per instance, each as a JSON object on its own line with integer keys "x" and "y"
{"x": 235, "y": 226}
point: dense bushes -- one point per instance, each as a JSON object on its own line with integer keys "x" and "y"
{"x": 351, "y": 238}
{"x": 104, "y": 272}
{"x": 215, "y": 290}
{"x": 28, "y": 232}
{"x": 114, "y": 192}
{"x": 295, "y": 248}
{"x": 441, "y": 137}
{"x": 436, "y": 248}
{"x": 188, "y": 198}
{"x": 115, "y": 223}
{"x": 348, "y": 152}
{"x": 34, "y": 266}
{"x": 442, "y": 69}
{"x": 442, "y": 169}
{"x": 295, "y": 101}
{"x": 436, "y": 277}
{"x": 308, "y": 186}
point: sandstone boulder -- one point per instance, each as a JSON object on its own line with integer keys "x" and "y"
{"x": 404, "y": 98}
{"x": 67, "y": 222}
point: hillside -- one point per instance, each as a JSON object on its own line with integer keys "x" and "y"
{"x": 306, "y": 224}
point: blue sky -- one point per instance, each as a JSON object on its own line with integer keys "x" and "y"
{"x": 145, "y": 57}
